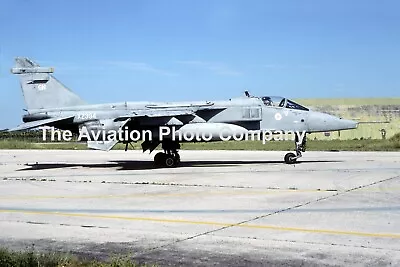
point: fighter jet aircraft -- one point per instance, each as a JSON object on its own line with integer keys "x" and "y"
{"x": 50, "y": 103}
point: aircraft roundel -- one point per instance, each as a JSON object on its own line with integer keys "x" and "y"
{"x": 278, "y": 116}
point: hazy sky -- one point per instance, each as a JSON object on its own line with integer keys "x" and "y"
{"x": 158, "y": 50}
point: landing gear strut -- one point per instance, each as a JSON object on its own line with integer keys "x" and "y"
{"x": 170, "y": 157}
{"x": 290, "y": 157}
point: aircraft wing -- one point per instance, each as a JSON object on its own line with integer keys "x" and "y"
{"x": 169, "y": 113}
{"x": 156, "y": 113}
{"x": 34, "y": 124}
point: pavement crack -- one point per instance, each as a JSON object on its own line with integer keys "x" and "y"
{"x": 172, "y": 184}
{"x": 63, "y": 224}
{"x": 32, "y": 222}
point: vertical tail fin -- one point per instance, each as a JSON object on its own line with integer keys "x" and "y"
{"x": 40, "y": 89}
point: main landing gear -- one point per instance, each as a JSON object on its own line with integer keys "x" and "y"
{"x": 290, "y": 157}
{"x": 170, "y": 157}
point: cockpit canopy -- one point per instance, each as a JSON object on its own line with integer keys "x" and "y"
{"x": 277, "y": 101}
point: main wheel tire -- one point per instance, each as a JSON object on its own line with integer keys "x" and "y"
{"x": 159, "y": 158}
{"x": 169, "y": 161}
{"x": 290, "y": 158}
{"x": 177, "y": 159}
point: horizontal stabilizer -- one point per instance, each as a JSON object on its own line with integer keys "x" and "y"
{"x": 102, "y": 145}
{"x": 34, "y": 124}
{"x": 105, "y": 145}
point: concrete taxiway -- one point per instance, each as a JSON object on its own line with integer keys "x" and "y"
{"x": 221, "y": 207}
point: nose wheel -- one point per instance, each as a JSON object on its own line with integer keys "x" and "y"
{"x": 291, "y": 158}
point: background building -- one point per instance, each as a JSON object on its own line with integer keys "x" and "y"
{"x": 379, "y": 117}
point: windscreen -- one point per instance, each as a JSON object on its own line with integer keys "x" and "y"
{"x": 293, "y": 105}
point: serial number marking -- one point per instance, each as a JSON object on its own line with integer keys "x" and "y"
{"x": 86, "y": 116}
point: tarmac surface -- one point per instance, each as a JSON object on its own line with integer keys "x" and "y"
{"x": 227, "y": 208}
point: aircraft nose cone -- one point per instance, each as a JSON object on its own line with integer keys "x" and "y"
{"x": 321, "y": 122}
{"x": 348, "y": 124}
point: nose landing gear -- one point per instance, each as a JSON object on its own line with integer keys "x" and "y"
{"x": 290, "y": 157}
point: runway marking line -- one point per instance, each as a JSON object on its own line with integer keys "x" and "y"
{"x": 266, "y": 192}
{"x": 220, "y": 224}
